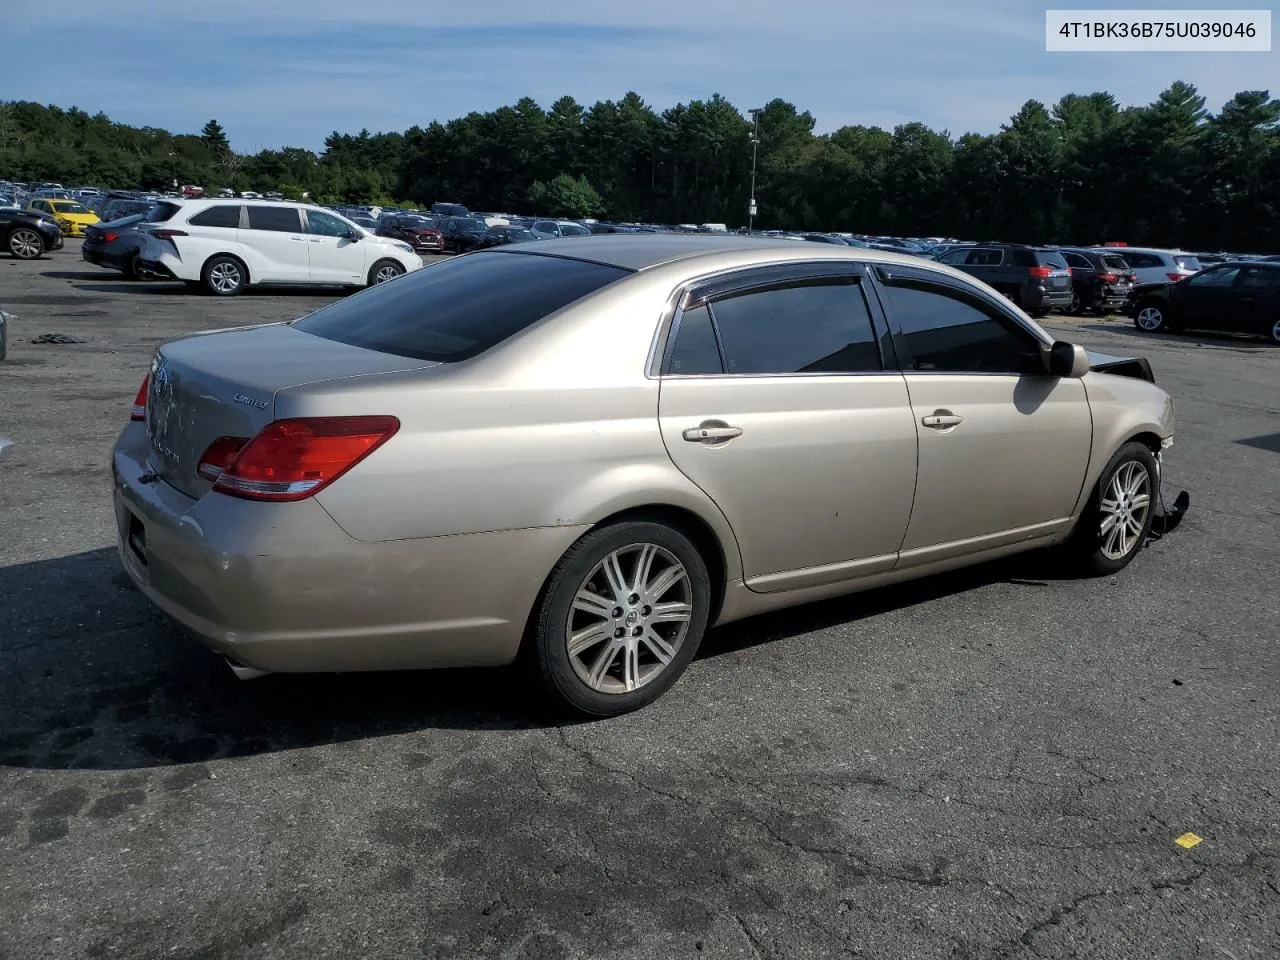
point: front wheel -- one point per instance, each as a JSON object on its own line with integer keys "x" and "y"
{"x": 1117, "y": 519}
{"x": 26, "y": 244}
{"x": 621, "y": 617}
{"x": 384, "y": 271}
{"x": 1275, "y": 332}
{"x": 1150, "y": 318}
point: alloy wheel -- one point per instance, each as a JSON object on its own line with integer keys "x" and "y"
{"x": 1150, "y": 318}
{"x": 224, "y": 277}
{"x": 25, "y": 244}
{"x": 628, "y": 618}
{"x": 1275, "y": 331}
{"x": 1124, "y": 509}
{"x": 386, "y": 273}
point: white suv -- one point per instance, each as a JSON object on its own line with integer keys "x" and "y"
{"x": 226, "y": 245}
{"x": 1153, "y": 265}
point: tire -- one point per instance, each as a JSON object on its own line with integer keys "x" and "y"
{"x": 26, "y": 244}
{"x": 1077, "y": 307}
{"x": 1101, "y": 551}
{"x": 1150, "y": 317}
{"x": 224, "y": 276}
{"x": 385, "y": 271}
{"x": 612, "y": 675}
{"x": 130, "y": 270}
{"x": 1275, "y": 331}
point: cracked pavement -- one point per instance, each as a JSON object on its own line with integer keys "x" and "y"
{"x": 989, "y": 764}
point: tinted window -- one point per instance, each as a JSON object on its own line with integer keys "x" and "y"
{"x": 278, "y": 219}
{"x": 1259, "y": 278}
{"x": 457, "y": 309}
{"x": 1143, "y": 260}
{"x": 1054, "y": 260}
{"x": 955, "y": 256}
{"x": 325, "y": 225}
{"x": 222, "y": 215}
{"x": 984, "y": 258}
{"x": 695, "y": 350}
{"x": 1112, "y": 262}
{"x": 1077, "y": 262}
{"x": 950, "y": 331}
{"x": 1221, "y": 277}
{"x": 1022, "y": 258}
{"x": 545, "y": 226}
{"x": 819, "y": 327}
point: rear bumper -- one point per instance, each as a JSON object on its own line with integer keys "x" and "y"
{"x": 104, "y": 257}
{"x": 281, "y": 588}
{"x": 155, "y": 268}
{"x": 1049, "y": 299}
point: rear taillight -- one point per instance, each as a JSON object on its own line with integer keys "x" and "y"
{"x": 1175, "y": 277}
{"x": 110, "y": 237}
{"x": 1109, "y": 278}
{"x": 166, "y": 234}
{"x": 139, "y": 413}
{"x": 295, "y": 459}
{"x": 1041, "y": 273}
{"x": 219, "y": 455}
{"x": 1132, "y": 278}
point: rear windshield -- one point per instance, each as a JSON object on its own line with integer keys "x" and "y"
{"x": 1186, "y": 262}
{"x": 1112, "y": 262}
{"x": 454, "y": 310}
{"x": 1051, "y": 259}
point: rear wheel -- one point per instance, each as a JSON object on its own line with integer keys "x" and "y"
{"x": 1076, "y": 305}
{"x": 384, "y": 271}
{"x": 224, "y": 276}
{"x": 1118, "y": 516}
{"x": 26, "y": 244}
{"x": 621, "y": 617}
{"x": 1150, "y": 317}
{"x": 1275, "y": 332}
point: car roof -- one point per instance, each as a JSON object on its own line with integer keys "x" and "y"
{"x": 640, "y": 251}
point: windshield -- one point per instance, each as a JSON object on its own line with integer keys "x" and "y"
{"x": 472, "y": 224}
{"x": 69, "y": 206}
{"x": 455, "y": 310}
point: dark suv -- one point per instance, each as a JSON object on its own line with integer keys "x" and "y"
{"x": 1036, "y": 280}
{"x": 1100, "y": 281}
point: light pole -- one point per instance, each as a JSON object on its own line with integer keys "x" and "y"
{"x": 755, "y": 146}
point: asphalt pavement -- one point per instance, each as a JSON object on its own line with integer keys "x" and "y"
{"x": 994, "y": 763}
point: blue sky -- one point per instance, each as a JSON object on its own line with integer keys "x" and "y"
{"x": 287, "y": 72}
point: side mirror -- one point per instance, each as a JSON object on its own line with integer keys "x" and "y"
{"x": 1069, "y": 360}
{"x": 353, "y": 236}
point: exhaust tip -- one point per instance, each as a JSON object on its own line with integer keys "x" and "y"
{"x": 243, "y": 672}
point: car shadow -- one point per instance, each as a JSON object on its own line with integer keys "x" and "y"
{"x": 92, "y": 676}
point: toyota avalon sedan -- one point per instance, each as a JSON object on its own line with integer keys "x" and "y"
{"x": 579, "y": 454}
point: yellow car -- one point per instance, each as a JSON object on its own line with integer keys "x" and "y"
{"x": 72, "y": 217}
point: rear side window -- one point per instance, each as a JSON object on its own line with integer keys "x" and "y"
{"x": 221, "y": 215}
{"x": 984, "y": 258}
{"x": 277, "y": 219}
{"x": 1022, "y": 258}
{"x": 695, "y": 351}
{"x": 455, "y": 310}
{"x": 814, "y": 327}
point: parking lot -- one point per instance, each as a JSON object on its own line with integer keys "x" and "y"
{"x": 994, "y": 763}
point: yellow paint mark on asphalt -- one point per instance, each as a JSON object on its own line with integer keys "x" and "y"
{"x": 1188, "y": 840}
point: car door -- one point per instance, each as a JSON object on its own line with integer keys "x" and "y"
{"x": 777, "y": 401}
{"x": 334, "y": 256}
{"x": 1003, "y": 445}
{"x": 1203, "y": 301}
{"x": 1084, "y": 277}
{"x": 1255, "y": 301}
{"x": 275, "y": 245}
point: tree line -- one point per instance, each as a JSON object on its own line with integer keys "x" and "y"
{"x": 1085, "y": 169}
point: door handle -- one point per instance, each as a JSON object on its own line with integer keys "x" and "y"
{"x": 317, "y": 239}
{"x": 942, "y": 420}
{"x": 712, "y": 432}
{"x": 299, "y": 239}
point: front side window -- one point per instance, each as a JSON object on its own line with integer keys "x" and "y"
{"x": 820, "y": 326}
{"x": 1259, "y": 278}
{"x": 984, "y": 258}
{"x": 950, "y": 331}
{"x": 220, "y": 215}
{"x": 325, "y": 225}
{"x": 275, "y": 219}
{"x": 1221, "y": 277}
{"x": 459, "y": 308}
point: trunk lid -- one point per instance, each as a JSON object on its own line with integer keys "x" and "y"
{"x": 223, "y": 384}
